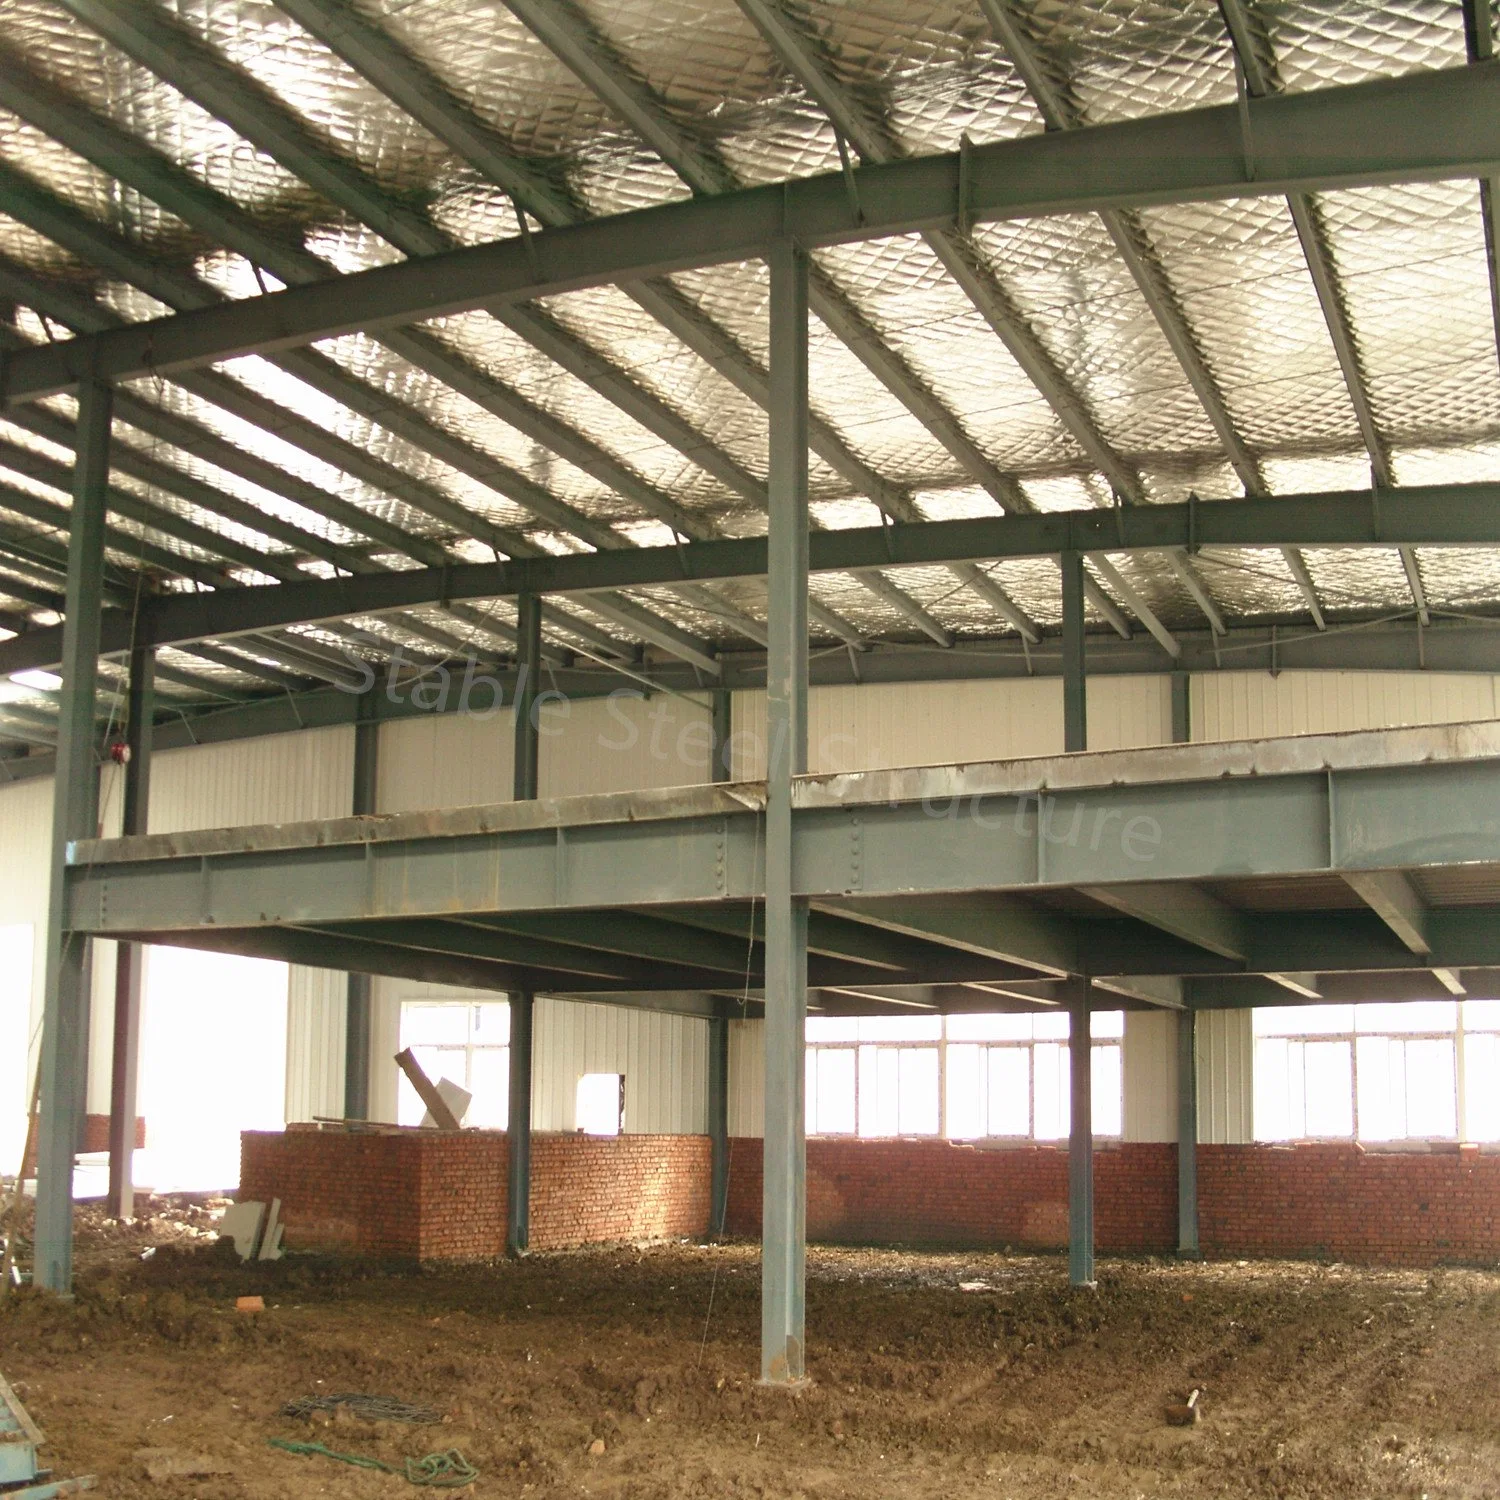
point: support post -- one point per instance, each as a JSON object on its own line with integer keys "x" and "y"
{"x": 784, "y": 1235}
{"x": 1075, "y": 692}
{"x": 718, "y": 1026}
{"x": 125, "y": 1070}
{"x": 1182, "y": 708}
{"x": 718, "y": 1122}
{"x": 528, "y": 733}
{"x": 358, "y": 1001}
{"x": 722, "y": 725}
{"x": 1080, "y": 1139}
{"x": 1187, "y": 1135}
{"x": 522, "y": 1005}
{"x": 75, "y": 815}
{"x": 518, "y": 1127}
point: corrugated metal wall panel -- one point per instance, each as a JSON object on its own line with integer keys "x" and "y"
{"x": 1226, "y": 1094}
{"x": 747, "y": 1078}
{"x": 1150, "y": 1066}
{"x": 1251, "y": 705}
{"x": 315, "y": 1018}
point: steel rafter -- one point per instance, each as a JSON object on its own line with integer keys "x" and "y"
{"x": 1479, "y": 37}
{"x": 1060, "y": 113}
{"x": 110, "y": 149}
{"x": 1256, "y": 61}
{"x": 563, "y": 32}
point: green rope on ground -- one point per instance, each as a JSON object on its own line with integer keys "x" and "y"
{"x": 440, "y": 1471}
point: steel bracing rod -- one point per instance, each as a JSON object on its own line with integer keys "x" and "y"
{"x": 1257, "y": 64}
{"x": 563, "y": 32}
{"x": 875, "y": 144}
{"x": 1445, "y": 516}
{"x": 1060, "y": 113}
{"x": 1479, "y": 37}
{"x": 61, "y": 222}
{"x": 259, "y": 118}
{"x": 1321, "y": 140}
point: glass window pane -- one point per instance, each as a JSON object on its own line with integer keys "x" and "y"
{"x": 836, "y": 1096}
{"x": 965, "y": 1084}
{"x": 489, "y": 1082}
{"x": 991, "y": 1028}
{"x": 1408, "y": 1016}
{"x": 832, "y": 1029}
{"x": 434, "y": 1025}
{"x": 1050, "y": 1063}
{"x": 1329, "y": 1088}
{"x": 1303, "y": 1020}
{"x": 1010, "y": 1091}
{"x": 1104, "y": 1023}
{"x": 900, "y": 1028}
{"x": 1107, "y": 1088}
{"x": 1272, "y": 1090}
{"x": 1482, "y": 1087}
{"x": 877, "y": 1091}
{"x": 491, "y": 1023}
{"x": 1431, "y": 1090}
{"x": 1482, "y": 1015}
{"x": 597, "y": 1107}
{"x": 1382, "y": 1089}
{"x": 1050, "y": 1025}
{"x": 918, "y": 1096}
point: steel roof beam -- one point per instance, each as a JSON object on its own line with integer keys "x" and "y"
{"x": 1258, "y": 75}
{"x": 1446, "y": 516}
{"x": 1480, "y": 40}
{"x": 185, "y": 291}
{"x": 1320, "y": 140}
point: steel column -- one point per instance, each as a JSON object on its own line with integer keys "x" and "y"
{"x": 522, "y": 1004}
{"x": 127, "y": 1028}
{"x": 75, "y": 815}
{"x": 718, "y": 1122}
{"x": 783, "y": 1273}
{"x": 357, "y": 1003}
{"x": 1075, "y": 699}
{"x": 518, "y": 1127}
{"x": 718, "y": 1026}
{"x": 1187, "y": 1134}
{"x": 1182, "y": 708}
{"x": 1080, "y": 1139}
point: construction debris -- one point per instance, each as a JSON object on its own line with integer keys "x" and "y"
{"x": 369, "y": 1408}
{"x": 429, "y": 1093}
{"x": 270, "y": 1240}
{"x": 242, "y": 1223}
{"x": 174, "y": 1463}
{"x": 21, "y": 1477}
{"x": 1186, "y": 1414}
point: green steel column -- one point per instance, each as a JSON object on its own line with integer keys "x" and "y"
{"x": 718, "y": 1026}
{"x": 358, "y": 1001}
{"x": 125, "y": 1071}
{"x": 522, "y": 1006}
{"x": 1075, "y": 693}
{"x": 1080, "y": 1139}
{"x": 75, "y": 815}
{"x": 784, "y": 1233}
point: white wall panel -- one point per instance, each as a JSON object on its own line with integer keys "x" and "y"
{"x": 317, "y": 1002}
{"x": 1251, "y": 705}
{"x": 1150, "y": 1066}
{"x": 1226, "y": 1095}
{"x": 747, "y": 1078}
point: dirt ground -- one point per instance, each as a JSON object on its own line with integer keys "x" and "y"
{"x": 1317, "y": 1381}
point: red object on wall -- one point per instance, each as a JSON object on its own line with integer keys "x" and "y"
{"x": 430, "y": 1195}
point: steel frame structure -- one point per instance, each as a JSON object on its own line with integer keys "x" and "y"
{"x": 927, "y": 887}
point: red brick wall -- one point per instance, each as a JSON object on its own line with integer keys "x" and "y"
{"x": 586, "y": 1189}
{"x": 945, "y": 1193}
{"x": 1339, "y": 1201}
{"x": 1373, "y": 1207}
{"x": 433, "y": 1196}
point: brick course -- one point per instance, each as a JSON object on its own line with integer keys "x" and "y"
{"x": 433, "y": 1196}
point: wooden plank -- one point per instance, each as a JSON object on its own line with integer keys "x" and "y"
{"x": 437, "y": 1106}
